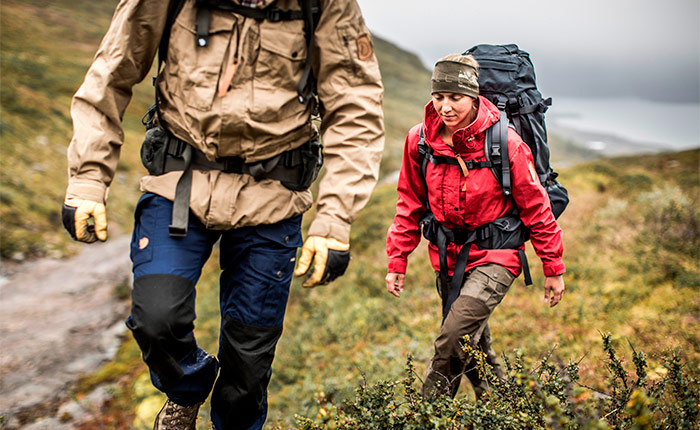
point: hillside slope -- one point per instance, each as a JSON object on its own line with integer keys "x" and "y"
{"x": 40, "y": 73}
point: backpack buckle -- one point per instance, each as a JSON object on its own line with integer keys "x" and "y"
{"x": 232, "y": 164}
{"x": 274, "y": 15}
{"x": 175, "y": 147}
{"x": 483, "y": 232}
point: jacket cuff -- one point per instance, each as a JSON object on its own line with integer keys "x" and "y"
{"x": 328, "y": 227}
{"x": 397, "y": 265}
{"x": 86, "y": 190}
{"x": 554, "y": 268}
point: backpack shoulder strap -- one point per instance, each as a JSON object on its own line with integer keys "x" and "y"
{"x": 497, "y": 151}
{"x": 173, "y": 12}
{"x": 424, "y": 152}
{"x": 311, "y": 13}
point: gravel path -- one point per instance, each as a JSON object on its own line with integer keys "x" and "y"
{"x": 59, "y": 319}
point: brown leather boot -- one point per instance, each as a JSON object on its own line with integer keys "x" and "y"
{"x": 176, "y": 417}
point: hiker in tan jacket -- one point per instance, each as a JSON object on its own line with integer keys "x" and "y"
{"x": 232, "y": 144}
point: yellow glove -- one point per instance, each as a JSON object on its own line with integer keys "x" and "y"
{"x": 330, "y": 256}
{"x": 77, "y": 212}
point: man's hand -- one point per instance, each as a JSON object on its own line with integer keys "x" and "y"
{"x": 394, "y": 283}
{"x": 77, "y": 212}
{"x": 553, "y": 289}
{"x": 330, "y": 259}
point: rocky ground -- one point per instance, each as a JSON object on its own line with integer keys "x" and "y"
{"x": 59, "y": 320}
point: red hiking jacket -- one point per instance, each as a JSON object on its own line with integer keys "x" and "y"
{"x": 482, "y": 202}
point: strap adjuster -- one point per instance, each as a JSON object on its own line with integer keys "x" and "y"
{"x": 473, "y": 164}
{"x": 175, "y": 231}
{"x": 232, "y": 164}
{"x": 273, "y": 15}
{"x": 483, "y": 232}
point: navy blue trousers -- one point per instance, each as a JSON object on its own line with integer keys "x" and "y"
{"x": 256, "y": 271}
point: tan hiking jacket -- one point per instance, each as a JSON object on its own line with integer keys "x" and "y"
{"x": 254, "y": 116}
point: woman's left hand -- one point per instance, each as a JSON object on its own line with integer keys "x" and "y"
{"x": 553, "y": 289}
{"x": 394, "y": 283}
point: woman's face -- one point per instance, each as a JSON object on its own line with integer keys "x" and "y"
{"x": 456, "y": 110}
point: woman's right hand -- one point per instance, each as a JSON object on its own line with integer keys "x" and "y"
{"x": 394, "y": 283}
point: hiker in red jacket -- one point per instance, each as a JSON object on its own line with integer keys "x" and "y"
{"x": 465, "y": 198}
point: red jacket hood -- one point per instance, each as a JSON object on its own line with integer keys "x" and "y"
{"x": 486, "y": 116}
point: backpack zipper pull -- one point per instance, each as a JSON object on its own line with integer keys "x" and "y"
{"x": 463, "y": 168}
{"x": 226, "y": 79}
{"x": 227, "y": 76}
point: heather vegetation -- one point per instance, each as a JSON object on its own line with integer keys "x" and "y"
{"x": 548, "y": 396}
{"x": 45, "y": 50}
{"x": 352, "y": 356}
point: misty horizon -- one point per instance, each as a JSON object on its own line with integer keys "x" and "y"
{"x": 627, "y": 48}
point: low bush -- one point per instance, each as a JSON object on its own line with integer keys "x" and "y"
{"x": 547, "y": 396}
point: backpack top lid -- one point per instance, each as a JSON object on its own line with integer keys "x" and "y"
{"x": 505, "y": 70}
{"x": 507, "y": 79}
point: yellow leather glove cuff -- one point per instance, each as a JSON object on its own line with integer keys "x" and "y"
{"x": 330, "y": 259}
{"x": 76, "y": 214}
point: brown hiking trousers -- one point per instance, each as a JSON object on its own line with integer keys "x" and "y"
{"x": 483, "y": 289}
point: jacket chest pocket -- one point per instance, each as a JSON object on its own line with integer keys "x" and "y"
{"x": 192, "y": 72}
{"x": 279, "y": 66}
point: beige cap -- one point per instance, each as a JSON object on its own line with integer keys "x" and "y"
{"x": 456, "y": 73}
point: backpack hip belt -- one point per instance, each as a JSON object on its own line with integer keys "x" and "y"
{"x": 507, "y": 232}
{"x": 284, "y": 167}
{"x": 162, "y": 152}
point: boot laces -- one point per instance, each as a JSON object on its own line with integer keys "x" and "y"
{"x": 180, "y": 417}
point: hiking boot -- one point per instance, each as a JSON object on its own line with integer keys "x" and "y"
{"x": 176, "y": 417}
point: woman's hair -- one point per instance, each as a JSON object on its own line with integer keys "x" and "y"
{"x": 456, "y": 73}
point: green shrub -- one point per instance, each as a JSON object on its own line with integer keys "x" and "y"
{"x": 548, "y": 396}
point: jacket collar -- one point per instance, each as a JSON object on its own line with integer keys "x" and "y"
{"x": 465, "y": 140}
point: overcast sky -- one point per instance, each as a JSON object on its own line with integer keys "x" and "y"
{"x": 642, "y": 48}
